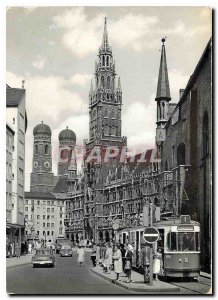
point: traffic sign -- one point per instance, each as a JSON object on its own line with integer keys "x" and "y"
{"x": 151, "y": 235}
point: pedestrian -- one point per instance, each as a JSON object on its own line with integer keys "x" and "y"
{"x": 29, "y": 248}
{"x": 93, "y": 255}
{"x": 103, "y": 251}
{"x": 108, "y": 258}
{"x": 128, "y": 261}
{"x": 157, "y": 266}
{"x": 123, "y": 252}
{"x": 145, "y": 260}
{"x": 97, "y": 253}
{"x": 10, "y": 249}
{"x": 80, "y": 253}
{"x": 17, "y": 250}
{"x": 118, "y": 265}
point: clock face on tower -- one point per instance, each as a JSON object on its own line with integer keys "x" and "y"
{"x": 35, "y": 164}
{"x": 47, "y": 164}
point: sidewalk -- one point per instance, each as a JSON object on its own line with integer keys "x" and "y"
{"x": 137, "y": 283}
{"x": 14, "y": 261}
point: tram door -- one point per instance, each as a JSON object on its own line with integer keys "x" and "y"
{"x": 137, "y": 248}
{"x": 124, "y": 238}
{"x": 160, "y": 243}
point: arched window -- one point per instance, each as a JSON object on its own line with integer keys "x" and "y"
{"x": 106, "y": 130}
{"x": 46, "y": 149}
{"x": 36, "y": 149}
{"x": 107, "y": 60}
{"x": 106, "y": 112}
{"x": 102, "y": 81}
{"x": 103, "y": 61}
{"x": 113, "y": 130}
{"x": 113, "y": 113}
{"x": 166, "y": 166}
{"x": 108, "y": 82}
{"x": 181, "y": 160}
{"x": 205, "y": 135}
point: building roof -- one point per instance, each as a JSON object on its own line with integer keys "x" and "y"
{"x": 39, "y": 195}
{"x": 61, "y": 185}
{"x": 163, "y": 87}
{"x": 42, "y": 129}
{"x": 67, "y": 134}
{"x": 13, "y": 96}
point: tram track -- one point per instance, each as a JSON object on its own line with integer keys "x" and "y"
{"x": 198, "y": 287}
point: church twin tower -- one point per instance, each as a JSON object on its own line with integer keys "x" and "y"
{"x": 42, "y": 177}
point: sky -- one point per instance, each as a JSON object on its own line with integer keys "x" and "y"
{"x": 54, "y": 50}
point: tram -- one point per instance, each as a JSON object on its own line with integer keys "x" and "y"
{"x": 179, "y": 241}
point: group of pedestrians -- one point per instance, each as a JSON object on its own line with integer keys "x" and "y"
{"x": 113, "y": 257}
{"x": 117, "y": 258}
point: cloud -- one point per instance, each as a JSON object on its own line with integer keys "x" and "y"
{"x": 80, "y": 79}
{"x": 83, "y": 34}
{"x": 138, "y": 124}
{"x": 39, "y": 63}
{"x": 131, "y": 30}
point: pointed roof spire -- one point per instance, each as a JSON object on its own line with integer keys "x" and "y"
{"x": 163, "y": 87}
{"x": 119, "y": 84}
{"x": 105, "y": 35}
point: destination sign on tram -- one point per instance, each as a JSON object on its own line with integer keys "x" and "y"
{"x": 151, "y": 235}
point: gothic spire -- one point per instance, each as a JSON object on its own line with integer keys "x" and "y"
{"x": 119, "y": 84}
{"x": 163, "y": 88}
{"x": 105, "y": 35}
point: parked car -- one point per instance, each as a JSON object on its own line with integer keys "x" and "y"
{"x": 43, "y": 256}
{"x": 66, "y": 251}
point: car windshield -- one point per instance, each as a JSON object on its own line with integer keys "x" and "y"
{"x": 66, "y": 247}
{"x": 43, "y": 251}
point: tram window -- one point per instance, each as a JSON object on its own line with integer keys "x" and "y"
{"x": 183, "y": 241}
{"x": 172, "y": 241}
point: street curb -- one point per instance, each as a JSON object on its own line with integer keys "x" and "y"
{"x": 139, "y": 289}
{"x": 18, "y": 265}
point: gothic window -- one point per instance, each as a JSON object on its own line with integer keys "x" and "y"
{"x": 108, "y": 96}
{"x": 103, "y": 61}
{"x": 205, "y": 135}
{"x": 166, "y": 166}
{"x": 106, "y": 130}
{"x": 102, "y": 81}
{"x": 181, "y": 154}
{"x": 46, "y": 149}
{"x": 107, "y": 60}
{"x": 106, "y": 112}
{"x": 113, "y": 131}
{"x": 36, "y": 149}
{"x": 113, "y": 113}
{"x": 108, "y": 82}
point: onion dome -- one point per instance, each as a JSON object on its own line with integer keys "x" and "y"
{"x": 42, "y": 129}
{"x": 67, "y": 134}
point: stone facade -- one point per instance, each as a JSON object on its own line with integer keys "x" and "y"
{"x": 189, "y": 142}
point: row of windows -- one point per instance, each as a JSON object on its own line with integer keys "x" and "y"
{"x": 106, "y": 113}
{"x": 44, "y": 202}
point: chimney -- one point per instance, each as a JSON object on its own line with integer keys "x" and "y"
{"x": 23, "y": 82}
